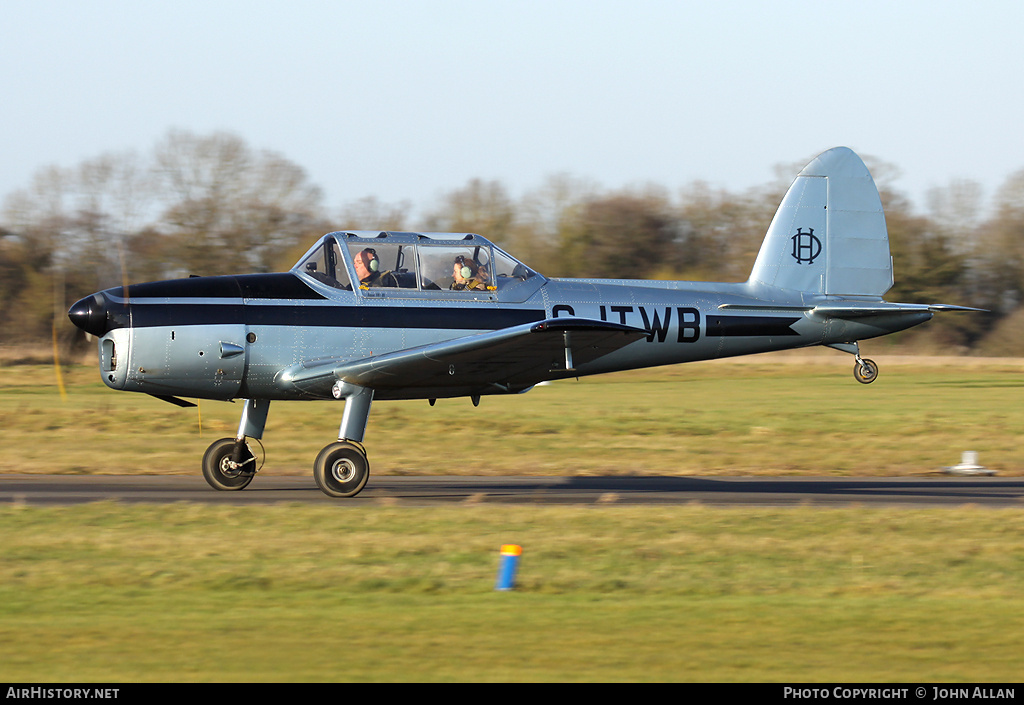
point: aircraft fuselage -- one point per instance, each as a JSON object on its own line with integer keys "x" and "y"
{"x": 228, "y": 337}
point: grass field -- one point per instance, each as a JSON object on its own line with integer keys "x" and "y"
{"x": 105, "y": 592}
{"x": 119, "y": 593}
{"x": 763, "y": 415}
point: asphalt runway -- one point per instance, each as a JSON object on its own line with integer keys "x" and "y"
{"x": 945, "y": 491}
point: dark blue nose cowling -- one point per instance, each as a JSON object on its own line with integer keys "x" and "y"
{"x": 90, "y": 314}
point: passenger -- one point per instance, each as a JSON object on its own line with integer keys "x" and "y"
{"x": 469, "y": 275}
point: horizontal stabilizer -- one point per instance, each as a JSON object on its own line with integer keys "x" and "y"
{"x": 859, "y": 309}
{"x": 951, "y": 307}
{"x": 765, "y": 307}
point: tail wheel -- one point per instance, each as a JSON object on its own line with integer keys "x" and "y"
{"x": 865, "y": 371}
{"x": 341, "y": 469}
{"x": 221, "y": 472}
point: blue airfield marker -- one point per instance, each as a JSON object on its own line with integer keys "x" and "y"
{"x": 507, "y": 567}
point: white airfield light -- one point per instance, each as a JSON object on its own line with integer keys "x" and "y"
{"x": 968, "y": 465}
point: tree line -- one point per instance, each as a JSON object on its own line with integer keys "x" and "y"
{"x": 211, "y": 204}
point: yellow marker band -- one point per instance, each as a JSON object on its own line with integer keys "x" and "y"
{"x": 511, "y": 550}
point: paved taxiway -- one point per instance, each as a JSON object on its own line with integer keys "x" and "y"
{"x": 419, "y": 491}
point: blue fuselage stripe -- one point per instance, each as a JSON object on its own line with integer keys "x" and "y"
{"x": 152, "y": 315}
{"x": 484, "y": 317}
{"x": 749, "y": 326}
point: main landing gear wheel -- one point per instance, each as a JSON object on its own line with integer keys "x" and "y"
{"x": 341, "y": 469}
{"x": 865, "y": 371}
{"x": 223, "y": 473}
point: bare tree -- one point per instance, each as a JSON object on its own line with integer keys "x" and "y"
{"x": 1000, "y": 248}
{"x": 723, "y": 231}
{"x": 227, "y": 208}
{"x": 369, "y": 213}
{"x": 624, "y": 235}
{"x": 547, "y": 217}
{"x": 482, "y": 207}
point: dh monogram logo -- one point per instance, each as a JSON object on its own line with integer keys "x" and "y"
{"x": 806, "y": 247}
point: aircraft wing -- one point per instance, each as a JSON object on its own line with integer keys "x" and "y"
{"x": 506, "y": 360}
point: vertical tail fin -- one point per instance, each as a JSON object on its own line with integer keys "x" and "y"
{"x": 829, "y": 234}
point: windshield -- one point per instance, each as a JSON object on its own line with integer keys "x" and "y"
{"x": 326, "y": 265}
{"x": 507, "y": 266}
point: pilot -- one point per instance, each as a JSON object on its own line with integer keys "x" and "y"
{"x": 368, "y": 266}
{"x": 469, "y": 275}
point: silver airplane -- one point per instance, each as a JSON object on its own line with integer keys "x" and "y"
{"x": 367, "y": 316}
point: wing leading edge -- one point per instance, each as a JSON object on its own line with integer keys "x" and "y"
{"x": 508, "y": 360}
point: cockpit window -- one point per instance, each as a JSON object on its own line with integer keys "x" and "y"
{"x": 456, "y": 268}
{"x": 384, "y": 264}
{"x": 326, "y": 265}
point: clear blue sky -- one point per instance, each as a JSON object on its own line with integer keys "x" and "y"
{"x": 405, "y": 100}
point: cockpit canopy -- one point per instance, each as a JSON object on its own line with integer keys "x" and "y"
{"x": 450, "y": 262}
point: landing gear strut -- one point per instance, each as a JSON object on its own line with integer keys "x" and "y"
{"x": 340, "y": 470}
